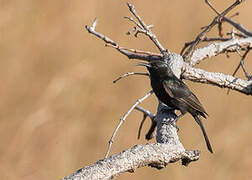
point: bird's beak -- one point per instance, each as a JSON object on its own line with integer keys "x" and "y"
{"x": 142, "y": 64}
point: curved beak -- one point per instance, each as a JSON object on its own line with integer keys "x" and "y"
{"x": 142, "y": 64}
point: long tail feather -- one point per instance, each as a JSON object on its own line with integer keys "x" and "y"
{"x": 198, "y": 120}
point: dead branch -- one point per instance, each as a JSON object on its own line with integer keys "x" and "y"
{"x": 145, "y": 29}
{"x": 129, "y": 74}
{"x": 154, "y": 155}
{"x": 124, "y": 118}
{"x": 131, "y": 54}
{"x": 218, "y": 79}
{"x": 239, "y": 27}
{"x": 217, "y": 48}
{"x": 215, "y": 21}
{"x": 146, "y": 114}
{"x": 168, "y": 150}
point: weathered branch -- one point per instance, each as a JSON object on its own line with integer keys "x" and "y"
{"x": 155, "y": 155}
{"x": 218, "y": 79}
{"x": 124, "y": 118}
{"x": 214, "y": 22}
{"x": 241, "y": 64}
{"x": 130, "y": 53}
{"x": 146, "y": 114}
{"x": 145, "y": 29}
{"x": 167, "y": 150}
{"x": 129, "y": 74}
{"x": 238, "y": 26}
{"x": 217, "y": 48}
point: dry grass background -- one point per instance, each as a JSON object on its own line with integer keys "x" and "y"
{"x": 59, "y": 106}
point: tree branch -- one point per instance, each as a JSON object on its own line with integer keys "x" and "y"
{"x": 130, "y": 53}
{"x": 154, "y": 155}
{"x": 218, "y": 79}
{"x": 238, "y": 26}
{"x": 124, "y": 118}
{"x": 146, "y": 29}
{"x": 214, "y": 22}
{"x": 215, "y": 49}
{"x": 168, "y": 150}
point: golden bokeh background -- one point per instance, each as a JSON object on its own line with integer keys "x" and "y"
{"x": 59, "y": 106}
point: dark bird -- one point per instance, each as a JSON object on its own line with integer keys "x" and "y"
{"x": 174, "y": 93}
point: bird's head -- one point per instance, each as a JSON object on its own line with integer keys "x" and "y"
{"x": 157, "y": 68}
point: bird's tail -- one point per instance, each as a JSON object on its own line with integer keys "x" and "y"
{"x": 198, "y": 120}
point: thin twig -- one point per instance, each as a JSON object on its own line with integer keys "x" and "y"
{"x": 149, "y": 135}
{"x": 206, "y": 39}
{"x": 242, "y": 59}
{"x": 249, "y": 77}
{"x": 146, "y": 29}
{"x": 124, "y": 118}
{"x": 138, "y": 54}
{"x": 141, "y": 126}
{"x": 146, "y": 114}
{"x": 211, "y": 6}
{"x": 132, "y": 20}
{"x": 129, "y": 74}
{"x": 99, "y": 35}
{"x": 215, "y": 21}
{"x": 136, "y": 51}
{"x": 239, "y": 65}
{"x": 238, "y": 26}
{"x": 240, "y": 35}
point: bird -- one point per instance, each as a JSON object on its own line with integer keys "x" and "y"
{"x": 173, "y": 92}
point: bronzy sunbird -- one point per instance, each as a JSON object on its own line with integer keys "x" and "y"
{"x": 174, "y": 93}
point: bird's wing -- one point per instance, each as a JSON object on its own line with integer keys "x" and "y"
{"x": 179, "y": 91}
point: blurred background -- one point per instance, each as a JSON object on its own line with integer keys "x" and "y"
{"x": 59, "y": 106}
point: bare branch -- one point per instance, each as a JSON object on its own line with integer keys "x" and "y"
{"x": 241, "y": 62}
{"x": 215, "y": 49}
{"x": 137, "y": 54}
{"x": 238, "y": 26}
{"x": 218, "y": 79}
{"x": 146, "y": 29}
{"x": 240, "y": 35}
{"x": 249, "y": 77}
{"x": 150, "y": 134}
{"x": 129, "y": 74}
{"x": 157, "y": 155}
{"x": 99, "y": 35}
{"x": 130, "y": 53}
{"x": 132, "y": 20}
{"x": 154, "y": 155}
{"x": 206, "y": 39}
{"x": 146, "y": 114}
{"x": 124, "y": 118}
{"x": 141, "y": 126}
{"x": 215, "y": 21}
